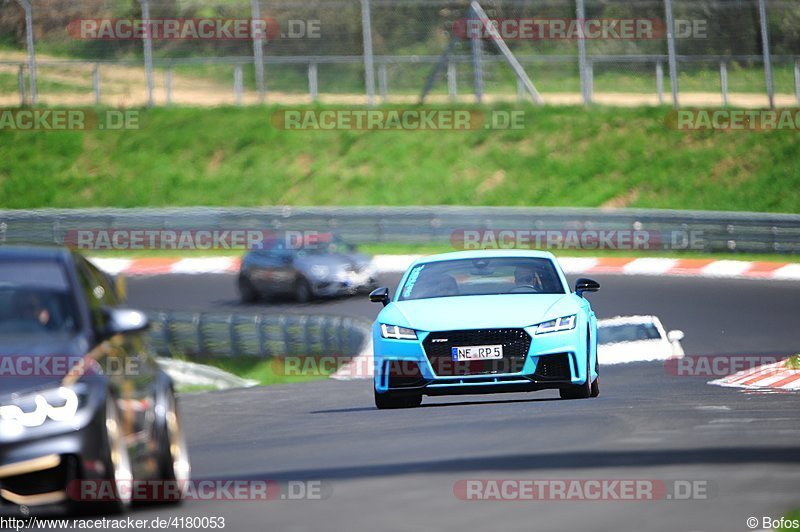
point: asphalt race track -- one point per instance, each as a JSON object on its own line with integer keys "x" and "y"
{"x": 396, "y": 470}
{"x": 719, "y": 316}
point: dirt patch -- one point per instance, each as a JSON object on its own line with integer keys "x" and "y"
{"x": 621, "y": 200}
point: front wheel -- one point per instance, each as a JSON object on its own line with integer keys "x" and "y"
{"x": 114, "y": 489}
{"x": 247, "y": 291}
{"x": 388, "y": 400}
{"x": 173, "y": 455}
{"x": 585, "y": 390}
{"x": 596, "y": 383}
{"x": 302, "y": 291}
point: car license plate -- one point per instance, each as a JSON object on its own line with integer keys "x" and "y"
{"x": 477, "y": 352}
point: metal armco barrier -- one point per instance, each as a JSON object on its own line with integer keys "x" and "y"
{"x": 198, "y": 334}
{"x": 712, "y": 231}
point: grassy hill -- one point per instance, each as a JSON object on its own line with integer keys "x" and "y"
{"x": 567, "y": 156}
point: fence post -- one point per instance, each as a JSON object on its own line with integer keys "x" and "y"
{"x": 660, "y": 82}
{"x": 21, "y": 80}
{"x": 580, "y": 13}
{"x": 258, "y": 50}
{"x": 237, "y": 84}
{"x": 96, "y": 83}
{"x": 148, "y": 51}
{"x": 369, "y": 72}
{"x": 477, "y": 64}
{"x": 762, "y": 15}
{"x": 313, "y": 87}
{"x": 797, "y": 80}
{"x": 168, "y": 84}
{"x": 26, "y": 6}
{"x": 452, "y": 82}
{"x": 673, "y": 60}
{"x": 589, "y": 81}
{"x": 723, "y": 81}
{"x": 383, "y": 82}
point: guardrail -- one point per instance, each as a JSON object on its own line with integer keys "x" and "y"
{"x": 199, "y": 334}
{"x": 715, "y": 231}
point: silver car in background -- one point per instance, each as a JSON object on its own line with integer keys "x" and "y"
{"x": 328, "y": 267}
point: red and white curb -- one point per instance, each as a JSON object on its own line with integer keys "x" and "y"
{"x": 572, "y": 265}
{"x": 775, "y": 376}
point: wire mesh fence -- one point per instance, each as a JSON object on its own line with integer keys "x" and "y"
{"x": 200, "y": 52}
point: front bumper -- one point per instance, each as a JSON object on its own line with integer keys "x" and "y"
{"x": 552, "y": 361}
{"x": 36, "y": 468}
{"x": 343, "y": 285}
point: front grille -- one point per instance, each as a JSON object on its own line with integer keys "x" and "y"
{"x": 553, "y": 368}
{"x": 438, "y": 345}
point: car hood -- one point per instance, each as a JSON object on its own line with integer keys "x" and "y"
{"x": 474, "y": 312}
{"x": 332, "y": 260}
{"x": 32, "y": 362}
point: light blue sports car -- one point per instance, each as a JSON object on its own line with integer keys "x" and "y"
{"x": 484, "y": 322}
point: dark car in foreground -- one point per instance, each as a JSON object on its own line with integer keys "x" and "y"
{"x": 328, "y": 267}
{"x": 81, "y": 398}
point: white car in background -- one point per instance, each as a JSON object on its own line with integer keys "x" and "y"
{"x": 636, "y": 339}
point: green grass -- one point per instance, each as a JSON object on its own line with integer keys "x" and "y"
{"x": 794, "y": 515}
{"x": 195, "y": 388}
{"x": 265, "y": 371}
{"x": 9, "y": 83}
{"x": 564, "y": 156}
{"x": 793, "y": 362}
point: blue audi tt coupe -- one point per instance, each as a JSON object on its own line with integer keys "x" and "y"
{"x": 484, "y": 322}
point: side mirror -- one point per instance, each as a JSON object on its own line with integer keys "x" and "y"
{"x": 675, "y": 336}
{"x": 380, "y": 295}
{"x": 586, "y": 285}
{"x": 124, "y": 321}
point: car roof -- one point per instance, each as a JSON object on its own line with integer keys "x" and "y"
{"x": 18, "y": 252}
{"x": 486, "y": 253}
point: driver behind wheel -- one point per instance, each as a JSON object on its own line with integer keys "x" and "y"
{"x": 529, "y": 277}
{"x": 29, "y": 306}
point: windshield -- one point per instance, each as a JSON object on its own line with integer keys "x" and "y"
{"x": 474, "y": 277}
{"x": 35, "y": 298}
{"x": 631, "y": 332}
{"x": 325, "y": 244}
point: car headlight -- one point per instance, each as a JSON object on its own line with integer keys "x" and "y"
{"x": 398, "y": 333}
{"x": 33, "y": 410}
{"x": 564, "y": 323}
